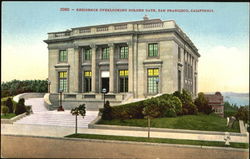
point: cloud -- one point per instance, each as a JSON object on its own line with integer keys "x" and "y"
{"x": 224, "y": 69}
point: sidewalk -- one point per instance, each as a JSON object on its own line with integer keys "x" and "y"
{"x": 57, "y": 131}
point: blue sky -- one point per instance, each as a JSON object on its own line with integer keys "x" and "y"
{"x": 25, "y": 25}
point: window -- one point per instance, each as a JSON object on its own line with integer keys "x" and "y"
{"x": 63, "y": 82}
{"x": 179, "y": 80}
{"x": 153, "y": 80}
{"x": 87, "y": 81}
{"x": 152, "y": 50}
{"x": 87, "y": 54}
{"x": 123, "y": 80}
{"x": 179, "y": 53}
{"x": 123, "y": 52}
{"x": 63, "y": 56}
{"x": 105, "y": 53}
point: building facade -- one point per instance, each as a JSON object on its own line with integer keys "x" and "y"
{"x": 136, "y": 59}
{"x": 217, "y": 102}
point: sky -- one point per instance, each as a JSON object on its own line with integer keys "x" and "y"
{"x": 221, "y": 36}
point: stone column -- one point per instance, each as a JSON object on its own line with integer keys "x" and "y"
{"x": 111, "y": 68}
{"x": 93, "y": 68}
{"x": 130, "y": 67}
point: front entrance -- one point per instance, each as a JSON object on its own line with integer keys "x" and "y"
{"x": 105, "y": 84}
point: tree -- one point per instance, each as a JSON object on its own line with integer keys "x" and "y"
{"x": 20, "y": 107}
{"x": 80, "y": 110}
{"x": 202, "y": 104}
{"x": 150, "y": 111}
{"x": 4, "y": 110}
{"x": 9, "y": 104}
{"x": 188, "y": 106}
{"x": 107, "y": 111}
{"x": 243, "y": 114}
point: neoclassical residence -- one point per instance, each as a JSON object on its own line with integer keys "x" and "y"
{"x": 136, "y": 59}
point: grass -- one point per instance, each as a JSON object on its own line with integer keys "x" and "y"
{"x": 202, "y": 122}
{"x": 159, "y": 140}
{"x": 8, "y": 116}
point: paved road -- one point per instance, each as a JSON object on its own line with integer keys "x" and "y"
{"x": 41, "y": 116}
{"x": 40, "y": 147}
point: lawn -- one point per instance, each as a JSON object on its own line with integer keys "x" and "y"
{"x": 159, "y": 140}
{"x": 203, "y": 122}
{"x": 8, "y": 116}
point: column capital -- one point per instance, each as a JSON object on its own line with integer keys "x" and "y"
{"x": 129, "y": 43}
{"x": 93, "y": 46}
{"x": 75, "y": 46}
{"x": 111, "y": 44}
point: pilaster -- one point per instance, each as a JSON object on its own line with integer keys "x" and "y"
{"x": 93, "y": 68}
{"x": 111, "y": 68}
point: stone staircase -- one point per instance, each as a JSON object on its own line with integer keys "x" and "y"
{"x": 41, "y": 116}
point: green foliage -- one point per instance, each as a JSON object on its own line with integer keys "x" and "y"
{"x": 4, "y": 110}
{"x": 151, "y": 108}
{"x": 9, "y": 104}
{"x": 243, "y": 114}
{"x": 128, "y": 111}
{"x": 15, "y": 87}
{"x": 107, "y": 111}
{"x": 80, "y": 110}
{"x": 20, "y": 107}
{"x": 170, "y": 113}
{"x": 202, "y": 104}
{"x": 211, "y": 122}
{"x": 188, "y": 106}
{"x": 171, "y": 102}
{"x": 229, "y": 110}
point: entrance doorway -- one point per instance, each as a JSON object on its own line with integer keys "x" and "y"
{"x": 105, "y": 83}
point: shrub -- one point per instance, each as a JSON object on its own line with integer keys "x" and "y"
{"x": 172, "y": 102}
{"x": 243, "y": 114}
{"x": 188, "y": 106}
{"x": 170, "y": 113}
{"x": 4, "y": 109}
{"x": 202, "y": 104}
{"x": 9, "y": 104}
{"x": 107, "y": 111}
{"x": 126, "y": 111}
{"x": 20, "y": 107}
{"x": 152, "y": 108}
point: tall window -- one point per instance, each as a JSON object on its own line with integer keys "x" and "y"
{"x": 123, "y": 52}
{"x": 152, "y": 50}
{"x": 153, "y": 80}
{"x": 87, "y": 54}
{"x": 123, "y": 80}
{"x": 63, "y": 81}
{"x": 63, "y": 56}
{"x": 179, "y": 53}
{"x": 105, "y": 53}
{"x": 179, "y": 80}
{"x": 87, "y": 81}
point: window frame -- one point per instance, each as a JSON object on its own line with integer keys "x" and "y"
{"x": 87, "y": 54}
{"x": 123, "y": 51}
{"x": 87, "y": 76}
{"x": 64, "y": 58}
{"x": 153, "y": 77}
{"x": 64, "y": 80}
{"x": 105, "y": 53}
{"x": 123, "y": 80}
{"x": 155, "y": 52}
